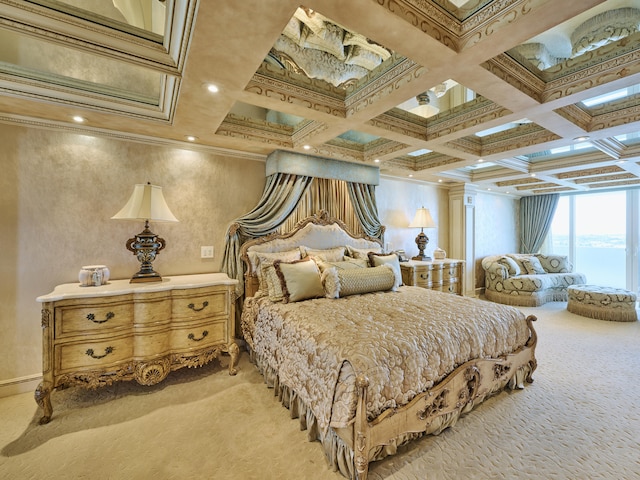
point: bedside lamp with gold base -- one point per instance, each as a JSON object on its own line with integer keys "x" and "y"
{"x": 422, "y": 220}
{"x": 146, "y": 203}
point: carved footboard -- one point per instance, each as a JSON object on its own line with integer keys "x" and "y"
{"x": 467, "y": 386}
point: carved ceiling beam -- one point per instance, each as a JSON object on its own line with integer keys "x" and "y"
{"x": 606, "y": 178}
{"x": 290, "y": 88}
{"x": 507, "y": 69}
{"x": 236, "y": 126}
{"x": 401, "y": 122}
{"x": 525, "y": 136}
{"x": 607, "y": 64}
{"x": 379, "y": 85}
{"x": 591, "y": 172}
{"x": 466, "y": 116}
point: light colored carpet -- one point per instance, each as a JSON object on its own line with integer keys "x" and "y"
{"x": 580, "y": 419}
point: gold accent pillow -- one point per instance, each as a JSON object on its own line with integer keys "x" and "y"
{"x": 346, "y": 263}
{"x": 328, "y": 255}
{"x": 391, "y": 259}
{"x": 267, "y": 258}
{"x": 300, "y": 280}
{"x": 355, "y": 281}
{"x": 362, "y": 252}
{"x": 274, "y": 286}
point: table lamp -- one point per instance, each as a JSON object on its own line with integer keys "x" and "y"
{"x": 422, "y": 220}
{"x": 146, "y": 203}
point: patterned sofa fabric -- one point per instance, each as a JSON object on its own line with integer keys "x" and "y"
{"x": 512, "y": 279}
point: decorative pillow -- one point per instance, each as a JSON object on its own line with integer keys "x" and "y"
{"x": 529, "y": 264}
{"x": 300, "y": 280}
{"x": 272, "y": 281}
{"x": 362, "y": 252}
{"x": 355, "y": 281}
{"x": 391, "y": 259}
{"x": 345, "y": 264}
{"x": 512, "y": 266}
{"x": 555, "y": 263}
{"x": 533, "y": 266}
{"x": 268, "y": 258}
{"x": 328, "y": 255}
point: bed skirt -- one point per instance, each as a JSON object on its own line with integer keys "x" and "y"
{"x": 340, "y": 456}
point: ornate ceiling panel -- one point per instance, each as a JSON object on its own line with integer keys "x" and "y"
{"x": 422, "y": 88}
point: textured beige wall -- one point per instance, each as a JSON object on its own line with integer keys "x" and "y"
{"x": 496, "y": 228}
{"x": 398, "y": 201}
{"x": 58, "y": 191}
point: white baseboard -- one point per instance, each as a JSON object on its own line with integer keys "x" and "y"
{"x": 16, "y": 386}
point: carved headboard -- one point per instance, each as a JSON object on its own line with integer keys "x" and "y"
{"x": 318, "y": 232}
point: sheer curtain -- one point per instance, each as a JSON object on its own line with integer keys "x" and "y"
{"x": 536, "y": 214}
{"x": 280, "y": 197}
{"x": 326, "y": 194}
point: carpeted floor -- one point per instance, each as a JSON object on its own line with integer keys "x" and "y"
{"x": 580, "y": 419}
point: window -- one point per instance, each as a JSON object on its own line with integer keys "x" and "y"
{"x": 599, "y": 233}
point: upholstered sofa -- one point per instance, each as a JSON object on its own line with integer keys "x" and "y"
{"x": 528, "y": 280}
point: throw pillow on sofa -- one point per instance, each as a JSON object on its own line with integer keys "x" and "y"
{"x": 511, "y": 265}
{"x": 529, "y": 264}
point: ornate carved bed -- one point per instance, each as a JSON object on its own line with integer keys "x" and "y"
{"x": 367, "y": 372}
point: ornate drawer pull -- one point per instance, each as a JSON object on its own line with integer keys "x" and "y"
{"x": 191, "y": 336}
{"x": 107, "y": 351}
{"x": 205, "y": 304}
{"x": 92, "y": 318}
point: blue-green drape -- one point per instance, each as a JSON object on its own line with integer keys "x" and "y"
{"x": 280, "y": 197}
{"x": 363, "y": 198}
{"x": 536, "y": 214}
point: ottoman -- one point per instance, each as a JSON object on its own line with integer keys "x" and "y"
{"x": 604, "y": 303}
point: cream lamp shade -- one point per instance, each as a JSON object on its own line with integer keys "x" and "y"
{"x": 422, "y": 220}
{"x": 146, "y": 203}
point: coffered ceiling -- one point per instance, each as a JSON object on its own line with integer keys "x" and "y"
{"x": 516, "y": 96}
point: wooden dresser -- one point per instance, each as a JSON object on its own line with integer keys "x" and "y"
{"x": 443, "y": 275}
{"x": 95, "y": 336}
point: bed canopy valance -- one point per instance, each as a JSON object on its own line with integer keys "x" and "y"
{"x": 298, "y": 186}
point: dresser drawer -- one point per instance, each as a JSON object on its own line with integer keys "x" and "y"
{"x": 199, "y": 336}
{"x": 92, "y": 355}
{"x": 207, "y": 303}
{"x": 451, "y": 271}
{"x": 82, "y": 319}
{"x": 426, "y": 277}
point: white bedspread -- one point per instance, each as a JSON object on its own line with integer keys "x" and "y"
{"x": 403, "y": 342}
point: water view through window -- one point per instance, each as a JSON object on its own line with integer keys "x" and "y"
{"x": 596, "y": 239}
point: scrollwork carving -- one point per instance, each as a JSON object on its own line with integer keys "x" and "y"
{"x": 150, "y": 373}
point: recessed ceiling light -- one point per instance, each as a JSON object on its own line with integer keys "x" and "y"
{"x": 377, "y": 160}
{"x": 212, "y": 88}
{"x": 410, "y": 175}
{"x": 78, "y": 119}
{"x": 533, "y": 174}
{"x": 581, "y": 138}
{"x": 439, "y": 180}
{"x": 191, "y": 138}
{"x": 307, "y": 147}
{"x": 480, "y": 160}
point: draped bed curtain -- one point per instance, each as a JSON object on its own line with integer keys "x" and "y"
{"x": 289, "y": 198}
{"x": 536, "y": 215}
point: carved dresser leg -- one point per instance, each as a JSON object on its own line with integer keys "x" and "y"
{"x": 42, "y": 396}
{"x": 234, "y": 352}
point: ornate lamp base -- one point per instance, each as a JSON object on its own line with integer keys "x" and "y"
{"x": 145, "y": 246}
{"x": 421, "y": 242}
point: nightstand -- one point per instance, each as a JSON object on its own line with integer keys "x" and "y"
{"x": 441, "y": 275}
{"x": 95, "y": 336}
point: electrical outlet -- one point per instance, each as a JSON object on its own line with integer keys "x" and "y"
{"x": 206, "y": 252}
